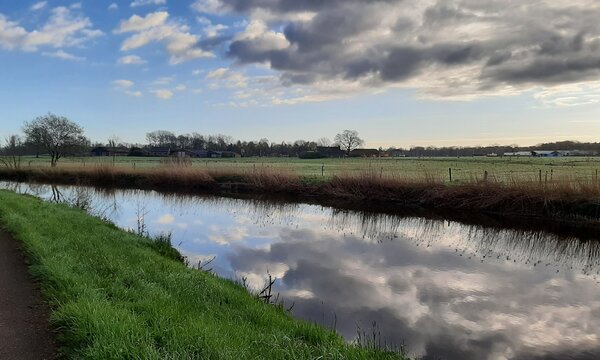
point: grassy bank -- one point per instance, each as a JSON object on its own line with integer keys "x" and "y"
{"x": 115, "y": 297}
{"x": 558, "y": 199}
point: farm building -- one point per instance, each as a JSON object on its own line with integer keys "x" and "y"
{"x": 543, "y": 153}
{"x": 519, "y": 153}
{"x": 109, "y": 151}
{"x": 331, "y": 151}
{"x": 159, "y": 151}
{"x": 204, "y": 154}
{"x": 364, "y": 153}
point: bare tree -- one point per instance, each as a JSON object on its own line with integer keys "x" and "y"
{"x": 348, "y": 140}
{"x": 324, "y": 142}
{"x": 161, "y": 138}
{"x": 114, "y": 141}
{"x": 57, "y": 135}
{"x": 12, "y": 152}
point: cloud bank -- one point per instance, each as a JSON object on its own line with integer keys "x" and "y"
{"x": 445, "y": 49}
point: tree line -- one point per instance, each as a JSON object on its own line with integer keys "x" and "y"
{"x": 57, "y": 137}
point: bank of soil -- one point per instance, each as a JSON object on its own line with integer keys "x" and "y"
{"x": 25, "y": 333}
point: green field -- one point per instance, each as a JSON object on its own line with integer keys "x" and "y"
{"x": 114, "y": 296}
{"x": 463, "y": 169}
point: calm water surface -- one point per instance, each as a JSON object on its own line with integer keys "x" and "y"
{"x": 446, "y": 290}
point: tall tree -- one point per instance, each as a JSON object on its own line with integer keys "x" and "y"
{"x": 348, "y": 140}
{"x": 57, "y": 135}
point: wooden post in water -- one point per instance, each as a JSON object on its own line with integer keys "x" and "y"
{"x": 450, "y": 174}
{"x": 540, "y": 176}
{"x": 485, "y": 176}
{"x": 323, "y": 170}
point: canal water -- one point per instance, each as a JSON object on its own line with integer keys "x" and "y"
{"x": 444, "y": 289}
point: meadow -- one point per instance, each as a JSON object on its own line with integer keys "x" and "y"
{"x": 463, "y": 170}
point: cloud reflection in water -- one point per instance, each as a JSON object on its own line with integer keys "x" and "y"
{"x": 445, "y": 289}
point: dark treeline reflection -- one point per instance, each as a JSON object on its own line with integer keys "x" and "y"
{"x": 446, "y": 289}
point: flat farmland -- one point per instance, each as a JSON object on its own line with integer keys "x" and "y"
{"x": 464, "y": 169}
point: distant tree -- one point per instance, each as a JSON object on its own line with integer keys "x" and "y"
{"x": 324, "y": 142}
{"x": 348, "y": 140}
{"x": 161, "y": 138}
{"x": 57, "y": 135}
{"x": 114, "y": 141}
{"x": 11, "y": 153}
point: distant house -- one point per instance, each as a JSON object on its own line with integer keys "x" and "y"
{"x": 397, "y": 153}
{"x": 210, "y": 154}
{"x": 99, "y": 151}
{"x": 544, "y": 153}
{"x": 179, "y": 153}
{"x": 519, "y": 153}
{"x": 581, "y": 153}
{"x": 200, "y": 154}
{"x": 110, "y": 151}
{"x": 364, "y": 153}
{"x": 331, "y": 151}
{"x": 159, "y": 151}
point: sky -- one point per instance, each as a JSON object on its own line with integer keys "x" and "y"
{"x": 401, "y": 73}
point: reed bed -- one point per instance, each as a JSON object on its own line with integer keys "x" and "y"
{"x": 564, "y": 198}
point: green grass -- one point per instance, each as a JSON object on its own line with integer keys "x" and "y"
{"x": 464, "y": 169}
{"x": 114, "y": 296}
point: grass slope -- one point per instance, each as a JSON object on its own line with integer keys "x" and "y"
{"x": 115, "y": 297}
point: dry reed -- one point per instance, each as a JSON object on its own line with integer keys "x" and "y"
{"x": 559, "y": 198}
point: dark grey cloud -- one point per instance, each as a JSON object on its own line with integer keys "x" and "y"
{"x": 483, "y": 45}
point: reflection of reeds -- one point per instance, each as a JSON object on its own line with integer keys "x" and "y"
{"x": 563, "y": 198}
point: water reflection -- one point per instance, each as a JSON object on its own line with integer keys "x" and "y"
{"x": 445, "y": 289}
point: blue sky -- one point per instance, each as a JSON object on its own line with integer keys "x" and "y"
{"x": 401, "y": 75}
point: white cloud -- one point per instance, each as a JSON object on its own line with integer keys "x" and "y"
{"x": 210, "y": 29}
{"x": 166, "y": 219}
{"x": 63, "y": 29}
{"x": 163, "y": 94}
{"x": 122, "y": 83}
{"x": 224, "y": 77}
{"x": 155, "y": 27}
{"x": 210, "y": 6}
{"x": 76, "y": 6}
{"x": 217, "y": 73}
{"x": 60, "y": 54}
{"x": 134, "y": 93}
{"x": 131, "y": 60}
{"x": 138, "y": 23}
{"x": 38, "y": 6}
{"x": 11, "y": 34}
{"x": 138, "y": 3}
{"x": 113, "y": 6}
{"x": 180, "y": 87}
{"x": 165, "y": 80}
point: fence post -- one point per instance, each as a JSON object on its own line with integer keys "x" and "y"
{"x": 323, "y": 170}
{"x": 551, "y": 175}
{"x": 485, "y": 176}
{"x": 450, "y": 174}
{"x": 540, "y": 176}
